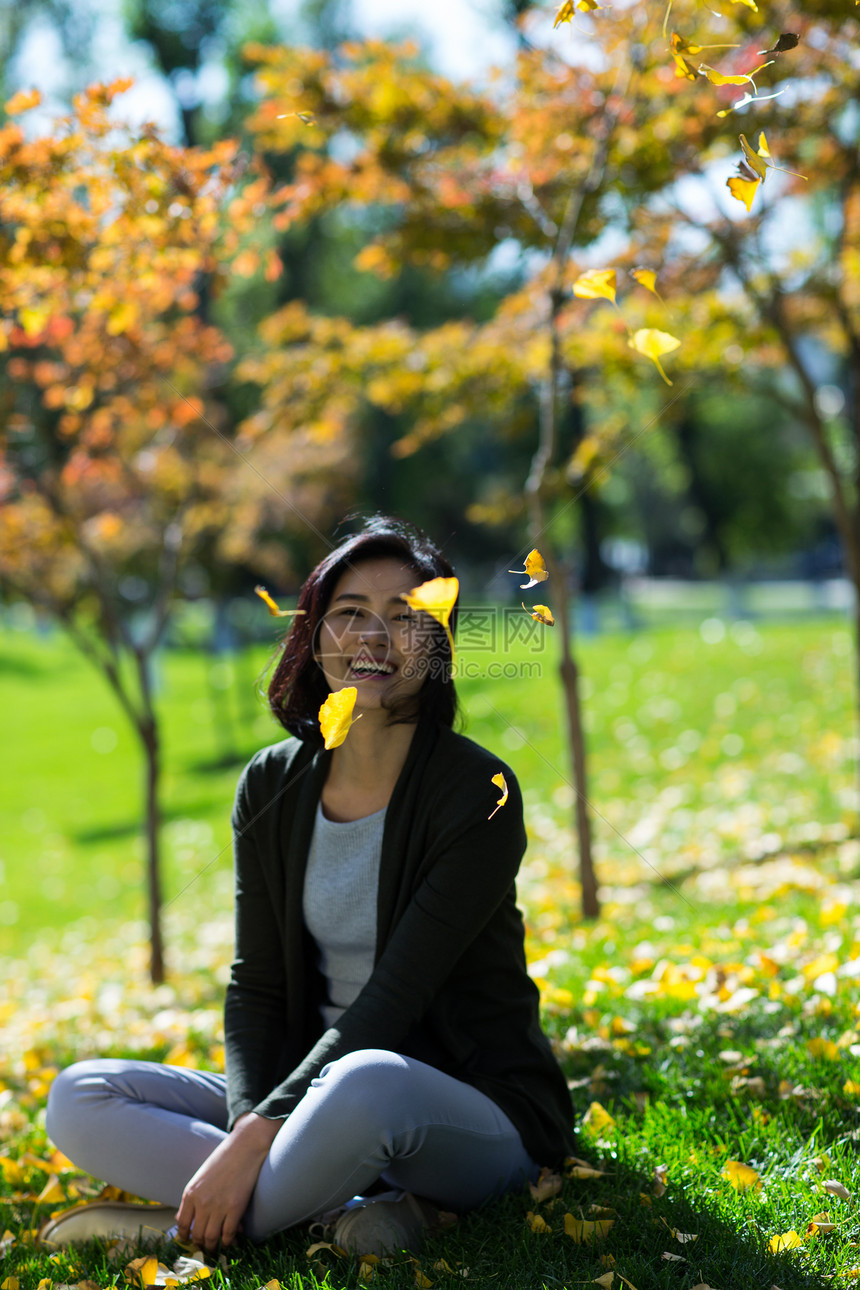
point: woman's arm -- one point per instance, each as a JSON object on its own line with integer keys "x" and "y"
{"x": 217, "y": 1196}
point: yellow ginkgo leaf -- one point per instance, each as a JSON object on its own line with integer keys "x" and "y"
{"x": 605, "y": 1281}
{"x": 541, "y": 614}
{"x": 537, "y": 1223}
{"x": 566, "y": 13}
{"x": 757, "y": 161}
{"x": 683, "y": 67}
{"x": 741, "y": 1176}
{"x": 682, "y": 46}
{"x": 744, "y": 190}
{"x": 535, "y": 570}
{"x": 581, "y": 1231}
{"x": 422, "y": 1282}
{"x": 784, "y": 1241}
{"x": 646, "y": 278}
{"x": 272, "y": 605}
{"x": 595, "y": 284}
{"x": 499, "y": 781}
{"x": 653, "y": 344}
{"x": 737, "y": 78}
{"x": 820, "y": 1047}
{"x": 598, "y": 1118}
{"x": 437, "y": 598}
{"x": 336, "y": 715}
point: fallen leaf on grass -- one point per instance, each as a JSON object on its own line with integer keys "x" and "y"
{"x": 337, "y": 1250}
{"x": 825, "y": 1048}
{"x": 836, "y": 1188}
{"x": 659, "y": 1180}
{"x": 741, "y": 1176}
{"x": 605, "y": 1281}
{"x": 548, "y": 1184}
{"x": 11, "y": 1283}
{"x": 784, "y": 1241}
{"x": 672, "y": 1258}
{"x": 681, "y": 1237}
{"x": 367, "y": 1267}
{"x": 598, "y": 1118}
{"x": 537, "y": 1223}
{"x": 602, "y": 1211}
{"x": 581, "y": 1231}
{"x": 820, "y": 1223}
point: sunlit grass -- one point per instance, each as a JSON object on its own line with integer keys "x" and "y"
{"x": 713, "y": 1010}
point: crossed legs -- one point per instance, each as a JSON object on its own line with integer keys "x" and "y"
{"x": 372, "y": 1114}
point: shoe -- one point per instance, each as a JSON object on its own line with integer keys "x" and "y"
{"x": 109, "y": 1220}
{"x": 385, "y": 1225}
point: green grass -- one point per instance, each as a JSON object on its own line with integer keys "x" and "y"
{"x": 713, "y": 1010}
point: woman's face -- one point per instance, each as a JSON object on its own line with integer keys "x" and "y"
{"x": 370, "y": 638}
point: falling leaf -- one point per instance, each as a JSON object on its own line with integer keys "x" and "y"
{"x": 836, "y": 1189}
{"x": 336, "y": 717}
{"x": 757, "y": 162}
{"x": 537, "y": 1223}
{"x": 595, "y": 284}
{"x": 535, "y": 570}
{"x": 542, "y": 614}
{"x": 744, "y": 190}
{"x": 739, "y": 78}
{"x": 653, "y": 344}
{"x": 272, "y": 605}
{"x": 581, "y": 1231}
{"x": 646, "y": 278}
{"x": 787, "y": 41}
{"x": 307, "y": 118}
{"x": 750, "y": 98}
{"x": 566, "y": 13}
{"x": 436, "y": 598}
{"x": 499, "y": 781}
{"x": 784, "y": 1241}
{"x": 741, "y": 1176}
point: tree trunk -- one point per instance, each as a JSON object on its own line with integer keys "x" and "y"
{"x": 149, "y": 736}
{"x": 569, "y": 673}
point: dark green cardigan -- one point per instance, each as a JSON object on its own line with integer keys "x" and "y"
{"x": 449, "y": 985}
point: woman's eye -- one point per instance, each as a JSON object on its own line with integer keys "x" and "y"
{"x": 350, "y": 611}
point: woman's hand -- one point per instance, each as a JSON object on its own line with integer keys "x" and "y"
{"x": 215, "y": 1199}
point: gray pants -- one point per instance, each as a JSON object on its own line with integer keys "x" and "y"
{"x": 372, "y": 1114}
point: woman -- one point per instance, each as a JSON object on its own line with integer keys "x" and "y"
{"x": 380, "y": 1026}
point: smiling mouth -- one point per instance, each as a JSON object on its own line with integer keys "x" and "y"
{"x": 366, "y": 668}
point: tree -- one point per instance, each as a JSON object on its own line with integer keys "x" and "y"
{"x": 440, "y": 176}
{"x": 114, "y": 456}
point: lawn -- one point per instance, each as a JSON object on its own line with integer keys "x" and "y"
{"x": 708, "y": 1021}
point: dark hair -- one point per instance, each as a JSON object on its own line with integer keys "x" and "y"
{"x": 298, "y": 686}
